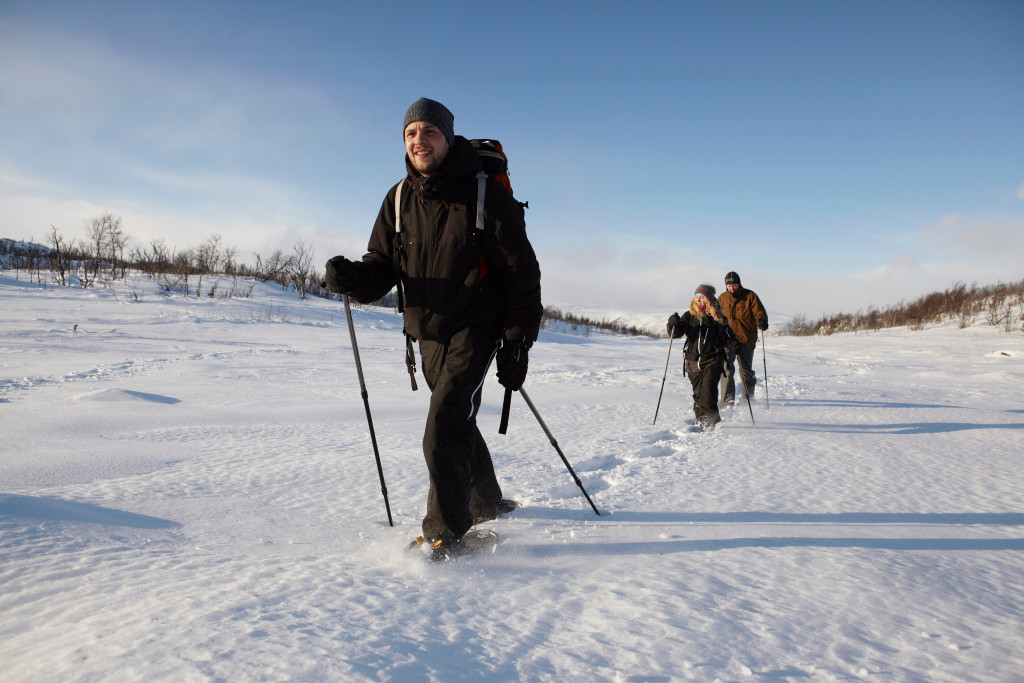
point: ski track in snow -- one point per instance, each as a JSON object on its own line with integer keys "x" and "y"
{"x": 188, "y": 492}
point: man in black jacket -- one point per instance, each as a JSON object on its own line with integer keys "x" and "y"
{"x": 468, "y": 294}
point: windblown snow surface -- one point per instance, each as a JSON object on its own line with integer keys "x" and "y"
{"x": 188, "y": 492}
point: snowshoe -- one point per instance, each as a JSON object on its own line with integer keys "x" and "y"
{"x": 473, "y": 541}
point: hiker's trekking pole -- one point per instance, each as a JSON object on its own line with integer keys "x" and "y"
{"x": 658, "y": 407}
{"x": 765, "y": 361}
{"x": 747, "y": 396}
{"x": 366, "y": 404}
{"x": 743, "y": 383}
{"x": 559, "y": 450}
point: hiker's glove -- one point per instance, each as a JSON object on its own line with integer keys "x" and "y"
{"x": 342, "y": 275}
{"x": 763, "y": 324}
{"x": 673, "y": 322}
{"x": 512, "y": 361}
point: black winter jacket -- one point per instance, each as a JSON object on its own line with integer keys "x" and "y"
{"x": 453, "y": 275}
{"x": 706, "y": 338}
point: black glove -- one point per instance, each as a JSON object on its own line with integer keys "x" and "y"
{"x": 342, "y": 275}
{"x": 673, "y": 322}
{"x": 763, "y": 324}
{"x": 512, "y": 361}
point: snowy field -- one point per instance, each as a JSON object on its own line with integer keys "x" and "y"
{"x": 188, "y": 493}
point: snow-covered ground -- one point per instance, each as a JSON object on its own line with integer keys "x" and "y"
{"x": 188, "y": 492}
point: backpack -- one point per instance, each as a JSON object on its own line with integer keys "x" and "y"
{"x": 495, "y": 165}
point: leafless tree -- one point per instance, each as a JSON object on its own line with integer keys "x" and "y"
{"x": 272, "y": 268}
{"x": 105, "y": 242}
{"x": 60, "y": 255}
{"x": 300, "y": 267}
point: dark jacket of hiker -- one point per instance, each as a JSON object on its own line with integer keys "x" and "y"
{"x": 453, "y": 275}
{"x": 464, "y": 289}
{"x": 706, "y": 338}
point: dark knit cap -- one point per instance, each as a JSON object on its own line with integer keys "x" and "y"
{"x": 706, "y": 290}
{"x": 732, "y": 278}
{"x": 434, "y": 113}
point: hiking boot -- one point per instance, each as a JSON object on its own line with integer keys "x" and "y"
{"x": 708, "y": 422}
{"x": 502, "y": 507}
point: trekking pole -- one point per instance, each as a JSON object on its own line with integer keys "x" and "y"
{"x": 658, "y": 407}
{"x": 747, "y": 396}
{"x": 765, "y": 361}
{"x": 559, "y": 450}
{"x": 366, "y": 404}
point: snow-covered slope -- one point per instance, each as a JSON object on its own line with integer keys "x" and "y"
{"x": 188, "y": 492}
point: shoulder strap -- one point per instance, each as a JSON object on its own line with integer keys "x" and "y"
{"x": 410, "y": 353}
{"x": 481, "y": 195}
{"x": 481, "y": 192}
{"x": 398, "y": 206}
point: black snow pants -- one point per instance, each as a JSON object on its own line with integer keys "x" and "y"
{"x": 704, "y": 378}
{"x": 743, "y": 356}
{"x": 462, "y": 480}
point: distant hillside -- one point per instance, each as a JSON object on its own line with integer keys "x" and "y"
{"x": 1000, "y": 305}
{"x": 82, "y": 263}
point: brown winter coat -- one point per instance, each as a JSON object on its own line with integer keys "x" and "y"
{"x": 744, "y": 311}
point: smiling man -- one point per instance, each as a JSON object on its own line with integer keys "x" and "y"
{"x": 468, "y": 292}
{"x": 425, "y": 143}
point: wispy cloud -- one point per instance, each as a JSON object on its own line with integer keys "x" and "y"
{"x": 976, "y": 237}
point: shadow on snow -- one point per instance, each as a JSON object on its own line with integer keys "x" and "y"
{"x": 757, "y": 517}
{"x": 897, "y": 428}
{"x": 844, "y": 403}
{"x": 31, "y": 508}
{"x": 663, "y": 547}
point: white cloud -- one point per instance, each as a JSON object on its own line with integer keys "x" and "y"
{"x": 970, "y": 238}
{"x": 903, "y": 262}
{"x": 30, "y": 215}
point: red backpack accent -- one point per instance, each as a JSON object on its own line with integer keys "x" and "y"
{"x": 495, "y": 162}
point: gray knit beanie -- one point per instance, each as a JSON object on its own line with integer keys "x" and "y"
{"x": 434, "y": 113}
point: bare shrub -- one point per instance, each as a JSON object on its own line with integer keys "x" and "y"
{"x": 962, "y": 303}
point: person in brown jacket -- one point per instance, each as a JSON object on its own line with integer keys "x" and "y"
{"x": 746, "y": 315}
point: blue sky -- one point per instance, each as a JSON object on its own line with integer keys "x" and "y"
{"x": 836, "y": 154}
